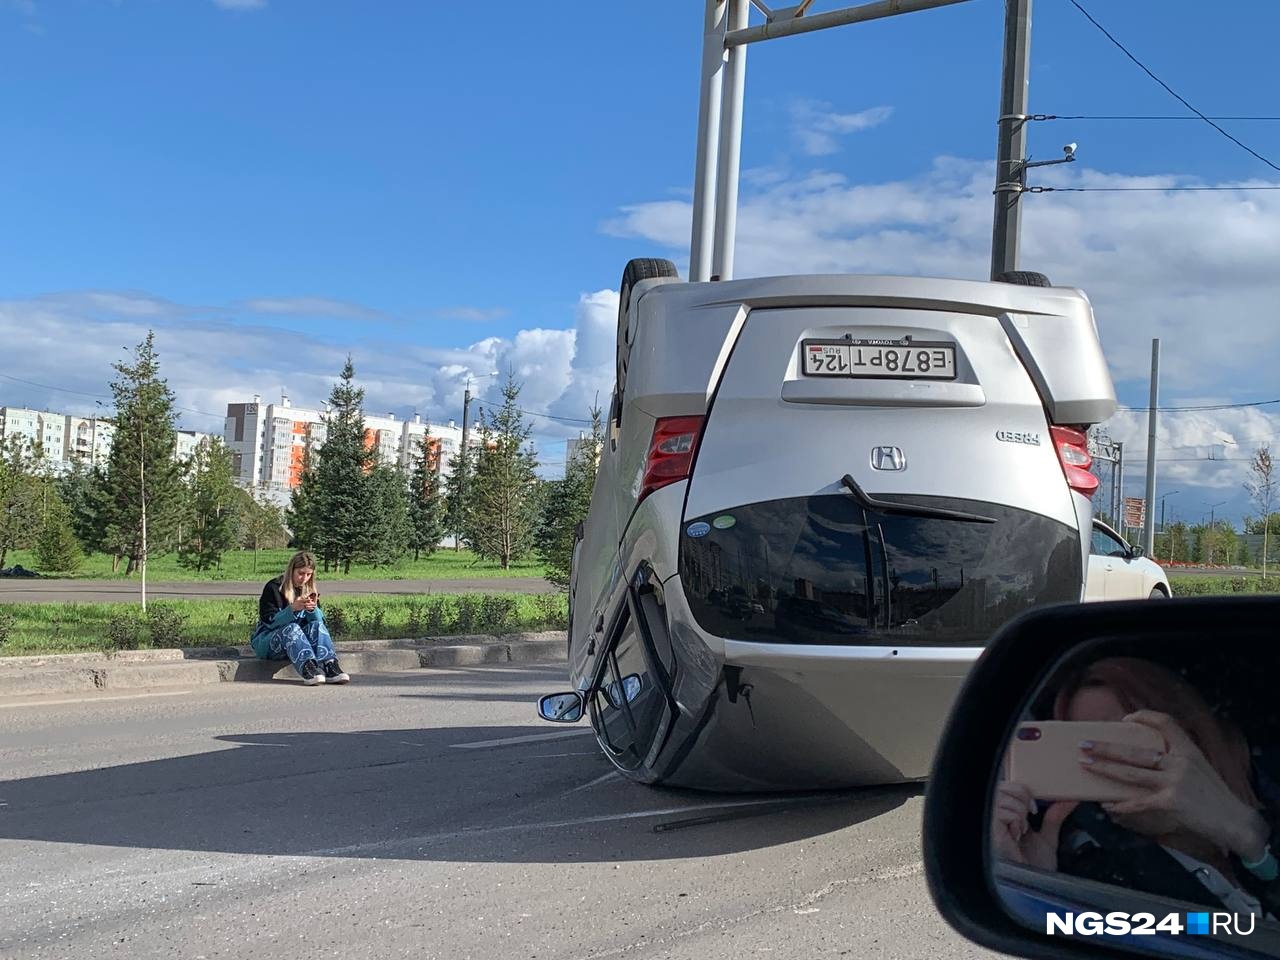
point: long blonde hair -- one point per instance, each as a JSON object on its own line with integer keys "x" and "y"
{"x": 299, "y": 561}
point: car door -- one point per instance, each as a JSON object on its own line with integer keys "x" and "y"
{"x": 1101, "y": 565}
{"x": 1121, "y": 580}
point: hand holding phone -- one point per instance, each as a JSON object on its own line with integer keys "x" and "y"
{"x": 1045, "y": 757}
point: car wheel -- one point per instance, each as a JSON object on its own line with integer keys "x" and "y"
{"x": 1026, "y": 278}
{"x": 1157, "y": 594}
{"x": 641, "y": 268}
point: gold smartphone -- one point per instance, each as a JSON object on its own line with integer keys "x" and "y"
{"x": 1045, "y": 757}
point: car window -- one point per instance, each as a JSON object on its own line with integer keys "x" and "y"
{"x": 1105, "y": 545}
{"x": 824, "y": 570}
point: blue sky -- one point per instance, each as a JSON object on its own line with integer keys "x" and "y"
{"x": 270, "y": 184}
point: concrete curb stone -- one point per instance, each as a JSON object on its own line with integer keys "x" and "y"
{"x": 145, "y": 669}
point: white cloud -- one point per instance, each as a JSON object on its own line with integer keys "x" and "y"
{"x": 61, "y": 348}
{"x": 816, "y": 126}
{"x": 312, "y": 307}
{"x": 1196, "y": 269}
{"x": 471, "y": 314}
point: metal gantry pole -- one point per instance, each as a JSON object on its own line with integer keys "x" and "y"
{"x": 1148, "y": 539}
{"x": 732, "y": 94}
{"x": 709, "y": 109}
{"x": 1011, "y": 150}
{"x": 726, "y": 34}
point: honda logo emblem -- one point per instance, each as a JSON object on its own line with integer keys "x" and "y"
{"x": 888, "y": 458}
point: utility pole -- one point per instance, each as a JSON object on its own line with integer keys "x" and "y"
{"x": 463, "y": 463}
{"x": 1120, "y": 486}
{"x": 1148, "y": 535}
{"x": 1011, "y": 149}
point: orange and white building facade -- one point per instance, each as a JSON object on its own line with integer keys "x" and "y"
{"x": 269, "y": 442}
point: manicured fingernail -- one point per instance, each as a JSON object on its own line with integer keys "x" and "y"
{"x": 1087, "y": 744}
{"x": 1086, "y": 759}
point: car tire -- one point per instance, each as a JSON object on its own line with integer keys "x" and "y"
{"x": 1026, "y": 278}
{"x": 642, "y": 268}
{"x": 1157, "y": 594}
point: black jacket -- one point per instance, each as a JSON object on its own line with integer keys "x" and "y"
{"x": 272, "y": 603}
{"x": 1095, "y": 848}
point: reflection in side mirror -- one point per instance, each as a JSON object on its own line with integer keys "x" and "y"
{"x": 615, "y": 690}
{"x": 1131, "y": 799}
{"x": 1133, "y": 778}
{"x": 1137, "y": 550}
{"x": 561, "y": 707}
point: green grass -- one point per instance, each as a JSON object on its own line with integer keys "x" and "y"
{"x": 239, "y": 565}
{"x": 35, "y": 628}
{"x": 1200, "y": 585}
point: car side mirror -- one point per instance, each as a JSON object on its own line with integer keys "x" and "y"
{"x": 1136, "y": 551}
{"x": 1159, "y": 840}
{"x": 561, "y": 707}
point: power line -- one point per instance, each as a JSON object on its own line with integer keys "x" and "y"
{"x": 100, "y": 396}
{"x": 1182, "y": 100}
{"x": 1212, "y": 406}
{"x": 1081, "y": 116}
{"x": 531, "y": 413}
{"x": 1141, "y": 189}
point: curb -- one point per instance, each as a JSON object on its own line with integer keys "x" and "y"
{"x": 145, "y": 669}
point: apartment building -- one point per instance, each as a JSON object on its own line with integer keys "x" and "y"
{"x": 43, "y": 428}
{"x": 65, "y": 439}
{"x": 269, "y": 443}
{"x": 88, "y": 441}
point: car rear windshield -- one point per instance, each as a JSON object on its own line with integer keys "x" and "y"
{"x": 824, "y": 569}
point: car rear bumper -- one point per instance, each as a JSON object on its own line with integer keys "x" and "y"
{"x": 791, "y": 716}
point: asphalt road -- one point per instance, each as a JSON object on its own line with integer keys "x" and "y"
{"x": 420, "y": 815}
{"x": 19, "y": 590}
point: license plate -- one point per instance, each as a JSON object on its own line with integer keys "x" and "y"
{"x": 879, "y": 359}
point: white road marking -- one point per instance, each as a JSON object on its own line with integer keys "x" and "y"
{"x": 533, "y": 828}
{"x": 123, "y": 696}
{"x": 598, "y": 780}
{"x": 477, "y": 744}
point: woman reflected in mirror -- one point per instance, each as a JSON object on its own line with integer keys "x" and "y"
{"x": 1202, "y": 821}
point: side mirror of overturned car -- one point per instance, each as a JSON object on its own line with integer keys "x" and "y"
{"x": 1108, "y": 784}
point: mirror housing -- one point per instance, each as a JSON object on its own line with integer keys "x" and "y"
{"x": 567, "y": 707}
{"x": 967, "y": 768}
{"x": 1136, "y": 551}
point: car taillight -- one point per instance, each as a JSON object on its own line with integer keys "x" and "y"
{"x": 1073, "y": 454}
{"x": 675, "y": 440}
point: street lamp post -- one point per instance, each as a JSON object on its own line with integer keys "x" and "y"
{"x": 1164, "y": 497}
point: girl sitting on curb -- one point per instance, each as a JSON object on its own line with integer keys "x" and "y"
{"x": 291, "y": 624}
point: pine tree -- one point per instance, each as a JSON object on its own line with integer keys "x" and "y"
{"x": 20, "y": 492}
{"x": 144, "y": 488}
{"x": 300, "y": 516}
{"x": 426, "y": 502}
{"x": 81, "y": 490}
{"x": 56, "y": 546}
{"x": 387, "y": 535}
{"x": 212, "y": 520}
{"x": 342, "y": 510}
{"x": 566, "y": 505}
{"x": 456, "y": 493}
{"x": 502, "y": 495}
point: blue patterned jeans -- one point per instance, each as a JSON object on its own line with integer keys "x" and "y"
{"x": 296, "y": 642}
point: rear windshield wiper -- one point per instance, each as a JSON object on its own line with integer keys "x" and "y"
{"x": 910, "y": 509}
